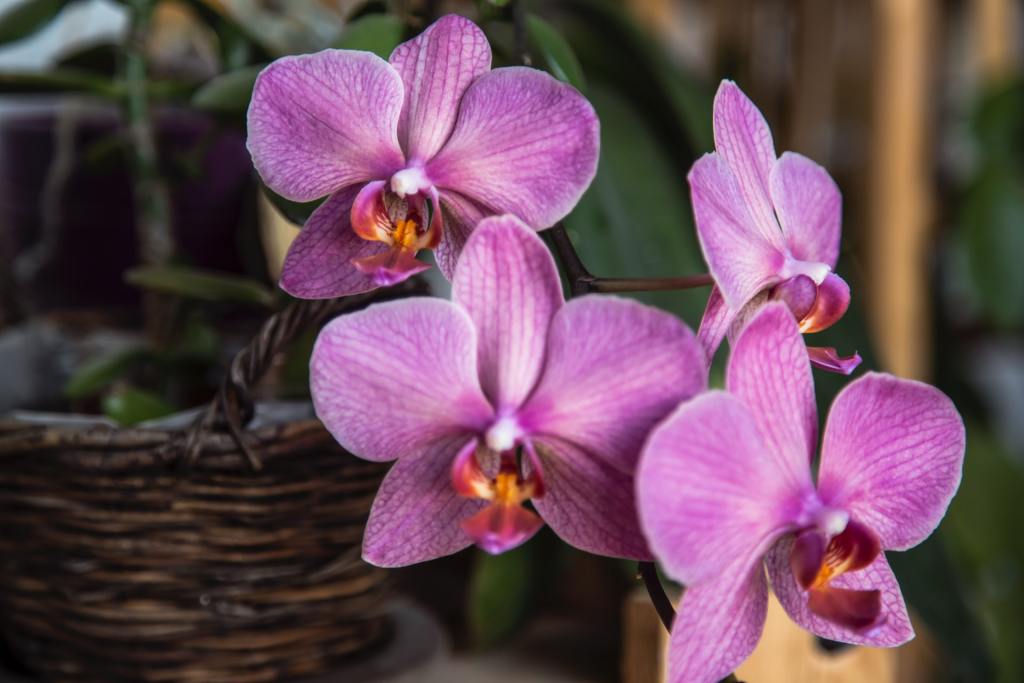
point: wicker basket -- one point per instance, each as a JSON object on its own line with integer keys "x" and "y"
{"x": 206, "y": 554}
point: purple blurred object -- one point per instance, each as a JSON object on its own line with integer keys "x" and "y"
{"x": 67, "y": 230}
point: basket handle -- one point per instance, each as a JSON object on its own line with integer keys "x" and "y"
{"x": 233, "y": 403}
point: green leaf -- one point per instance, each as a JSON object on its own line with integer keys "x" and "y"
{"x": 27, "y": 17}
{"x": 100, "y": 373}
{"x": 129, "y": 406}
{"x": 992, "y": 230}
{"x": 61, "y": 80}
{"x": 558, "y": 55}
{"x": 376, "y": 33}
{"x": 983, "y": 529}
{"x": 228, "y": 93}
{"x": 635, "y": 219}
{"x": 500, "y": 593}
{"x": 203, "y": 285}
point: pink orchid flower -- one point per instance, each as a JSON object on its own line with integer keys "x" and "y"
{"x": 412, "y": 153}
{"x": 769, "y": 228}
{"x": 725, "y": 488}
{"x": 503, "y": 395}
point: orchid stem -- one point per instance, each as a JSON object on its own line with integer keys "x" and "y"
{"x": 582, "y": 282}
{"x": 662, "y": 605}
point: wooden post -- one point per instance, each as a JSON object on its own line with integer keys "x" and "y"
{"x": 997, "y": 37}
{"x": 901, "y": 186}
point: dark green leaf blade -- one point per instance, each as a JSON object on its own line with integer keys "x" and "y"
{"x": 376, "y": 33}
{"x": 27, "y": 17}
{"x": 128, "y": 406}
{"x": 202, "y": 285}
{"x": 228, "y": 93}
{"x": 499, "y": 594}
{"x": 556, "y": 52}
{"x": 101, "y": 372}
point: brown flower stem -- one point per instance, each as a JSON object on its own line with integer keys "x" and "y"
{"x": 662, "y": 605}
{"x": 582, "y": 282}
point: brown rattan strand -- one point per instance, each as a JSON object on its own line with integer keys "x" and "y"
{"x": 205, "y": 555}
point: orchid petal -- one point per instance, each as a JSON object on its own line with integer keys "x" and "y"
{"x": 507, "y": 281}
{"x": 319, "y": 261}
{"x": 390, "y": 380}
{"x": 769, "y": 372}
{"x": 417, "y": 513}
{"x": 461, "y": 216}
{"x": 827, "y": 358}
{"x": 590, "y": 505}
{"x": 323, "y": 121}
{"x": 893, "y": 624}
{"x": 707, "y": 493}
{"x": 830, "y": 304}
{"x": 500, "y": 527}
{"x": 714, "y": 324}
{"x": 809, "y": 206}
{"x": 615, "y": 367}
{"x": 718, "y": 624}
{"x": 390, "y": 267}
{"x": 523, "y": 144}
{"x": 798, "y": 293}
{"x": 741, "y": 260}
{"x": 436, "y": 67}
{"x": 744, "y": 141}
{"x": 892, "y": 456}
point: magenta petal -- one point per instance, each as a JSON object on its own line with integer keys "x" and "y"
{"x": 590, "y": 505}
{"x": 523, "y": 144}
{"x": 742, "y": 260}
{"x": 809, "y": 208}
{"x": 714, "y": 324}
{"x": 390, "y": 267}
{"x": 416, "y": 515}
{"x": 769, "y": 371}
{"x": 707, "y": 493}
{"x": 854, "y": 609}
{"x": 718, "y": 624}
{"x": 798, "y": 293}
{"x": 614, "y": 368}
{"x": 391, "y": 380}
{"x": 831, "y": 302}
{"x": 892, "y": 456}
{"x": 893, "y": 624}
{"x": 322, "y": 121}
{"x": 319, "y": 261}
{"x": 501, "y": 527}
{"x": 461, "y": 216}
{"x": 827, "y": 358}
{"x": 507, "y": 282}
{"x": 744, "y": 141}
{"x": 436, "y": 67}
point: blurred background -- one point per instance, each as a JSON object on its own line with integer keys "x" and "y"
{"x": 138, "y": 252}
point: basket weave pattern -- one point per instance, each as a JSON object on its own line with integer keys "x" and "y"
{"x": 213, "y": 554}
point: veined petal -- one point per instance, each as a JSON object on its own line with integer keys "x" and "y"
{"x": 827, "y": 358}
{"x": 769, "y": 372}
{"x": 708, "y": 494}
{"x": 615, "y": 367}
{"x": 390, "y": 267}
{"x": 714, "y": 324}
{"x": 743, "y": 139}
{"x": 892, "y": 456}
{"x": 590, "y": 505}
{"x": 523, "y": 144}
{"x": 436, "y": 67}
{"x": 893, "y": 624}
{"x": 393, "y": 378}
{"x": 741, "y": 259}
{"x": 461, "y": 216}
{"x": 319, "y": 261}
{"x": 718, "y": 624}
{"x": 417, "y": 513}
{"x": 809, "y": 206}
{"x": 507, "y": 281}
{"x": 322, "y": 121}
